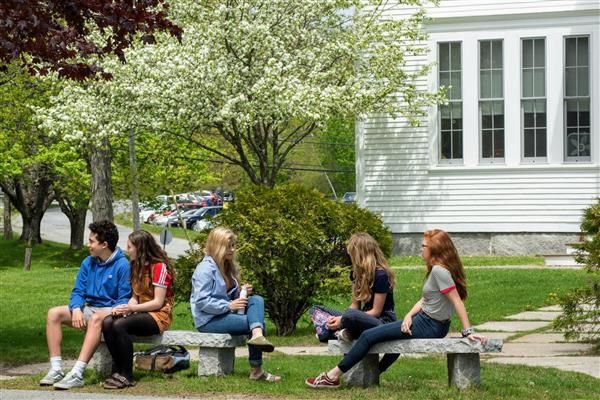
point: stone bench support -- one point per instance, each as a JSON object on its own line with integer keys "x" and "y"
{"x": 216, "y": 351}
{"x": 462, "y": 354}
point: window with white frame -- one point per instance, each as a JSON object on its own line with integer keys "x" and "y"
{"x": 577, "y": 99}
{"x": 533, "y": 99}
{"x": 450, "y": 115}
{"x": 491, "y": 101}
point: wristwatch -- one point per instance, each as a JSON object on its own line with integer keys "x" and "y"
{"x": 467, "y": 332}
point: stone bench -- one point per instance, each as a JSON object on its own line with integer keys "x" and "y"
{"x": 463, "y": 358}
{"x": 216, "y": 354}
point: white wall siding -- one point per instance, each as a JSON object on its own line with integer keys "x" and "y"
{"x": 398, "y": 173}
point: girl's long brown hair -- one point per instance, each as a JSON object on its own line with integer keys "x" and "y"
{"x": 444, "y": 254}
{"x": 366, "y": 256}
{"x": 147, "y": 252}
{"x": 216, "y": 247}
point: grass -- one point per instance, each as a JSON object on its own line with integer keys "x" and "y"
{"x": 473, "y": 261}
{"x": 26, "y": 297}
{"x": 420, "y": 379}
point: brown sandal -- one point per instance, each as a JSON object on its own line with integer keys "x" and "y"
{"x": 118, "y": 381}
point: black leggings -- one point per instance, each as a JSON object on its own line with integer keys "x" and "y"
{"x": 116, "y": 331}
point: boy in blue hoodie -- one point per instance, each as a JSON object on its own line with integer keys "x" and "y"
{"x": 101, "y": 284}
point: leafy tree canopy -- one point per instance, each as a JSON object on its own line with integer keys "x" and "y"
{"x": 58, "y": 35}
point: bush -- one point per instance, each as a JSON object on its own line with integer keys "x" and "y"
{"x": 581, "y": 307}
{"x": 291, "y": 247}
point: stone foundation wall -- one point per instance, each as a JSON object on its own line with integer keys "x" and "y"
{"x": 502, "y": 244}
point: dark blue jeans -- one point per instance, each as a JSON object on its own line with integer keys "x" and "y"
{"x": 241, "y": 324}
{"x": 423, "y": 327}
{"x": 357, "y": 321}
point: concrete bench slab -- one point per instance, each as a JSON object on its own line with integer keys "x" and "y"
{"x": 216, "y": 351}
{"x": 462, "y": 354}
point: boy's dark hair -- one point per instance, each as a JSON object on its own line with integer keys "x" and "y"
{"x": 105, "y": 231}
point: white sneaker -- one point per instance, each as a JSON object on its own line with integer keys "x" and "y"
{"x": 53, "y": 376}
{"x": 344, "y": 336}
{"x": 70, "y": 381}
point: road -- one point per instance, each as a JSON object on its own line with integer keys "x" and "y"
{"x": 55, "y": 227}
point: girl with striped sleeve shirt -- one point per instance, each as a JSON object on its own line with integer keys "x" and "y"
{"x": 443, "y": 293}
{"x": 148, "y": 312}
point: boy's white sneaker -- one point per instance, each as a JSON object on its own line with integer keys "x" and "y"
{"x": 70, "y": 381}
{"x": 53, "y": 376}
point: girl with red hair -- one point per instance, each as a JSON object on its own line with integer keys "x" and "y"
{"x": 443, "y": 293}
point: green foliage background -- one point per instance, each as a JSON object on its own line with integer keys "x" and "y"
{"x": 291, "y": 246}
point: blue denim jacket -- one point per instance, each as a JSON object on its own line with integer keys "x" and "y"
{"x": 209, "y": 292}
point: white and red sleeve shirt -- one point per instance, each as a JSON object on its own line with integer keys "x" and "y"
{"x": 435, "y": 303}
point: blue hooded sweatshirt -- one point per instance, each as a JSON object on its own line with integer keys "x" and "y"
{"x": 102, "y": 284}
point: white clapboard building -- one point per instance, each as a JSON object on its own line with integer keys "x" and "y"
{"x": 508, "y": 165}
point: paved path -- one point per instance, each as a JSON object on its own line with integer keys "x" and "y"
{"x": 55, "y": 227}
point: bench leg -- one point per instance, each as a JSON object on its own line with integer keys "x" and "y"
{"x": 101, "y": 360}
{"x": 365, "y": 373}
{"x": 463, "y": 370}
{"x": 215, "y": 361}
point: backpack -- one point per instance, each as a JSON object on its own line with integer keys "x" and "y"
{"x": 319, "y": 316}
{"x": 167, "y": 359}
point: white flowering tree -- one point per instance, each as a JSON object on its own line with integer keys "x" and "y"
{"x": 252, "y": 78}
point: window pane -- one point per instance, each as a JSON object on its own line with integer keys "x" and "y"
{"x": 529, "y": 143}
{"x": 527, "y": 53}
{"x": 486, "y": 144}
{"x": 485, "y": 84}
{"x": 497, "y": 54}
{"x": 457, "y": 148}
{"x": 539, "y": 57}
{"x": 584, "y": 144}
{"x": 445, "y": 79}
{"x": 539, "y": 83}
{"x": 484, "y": 55}
{"x": 571, "y": 81}
{"x": 540, "y": 117}
{"x": 444, "y": 62}
{"x": 572, "y": 119}
{"x": 455, "y": 56}
{"x": 498, "y": 143}
{"x": 498, "y": 121}
{"x": 446, "y": 145}
{"x": 528, "y": 83}
{"x": 497, "y": 83}
{"x": 582, "y": 51}
{"x": 528, "y": 115}
{"x": 572, "y": 142}
{"x": 540, "y": 143}
{"x": 584, "y": 113}
{"x": 486, "y": 115}
{"x": 583, "y": 81}
{"x": 457, "y": 113}
{"x": 570, "y": 52}
{"x": 455, "y": 92}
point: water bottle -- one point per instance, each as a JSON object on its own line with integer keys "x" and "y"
{"x": 243, "y": 295}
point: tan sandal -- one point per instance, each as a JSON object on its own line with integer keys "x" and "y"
{"x": 265, "y": 376}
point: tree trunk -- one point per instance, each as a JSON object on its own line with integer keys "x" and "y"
{"x": 135, "y": 197}
{"x": 7, "y": 226}
{"x": 76, "y": 215}
{"x": 31, "y": 195}
{"x": 77, "y": 222}
{"x": 102, "y": 195}
{"x": 28, "y": 254}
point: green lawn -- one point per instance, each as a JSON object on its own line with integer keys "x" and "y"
{"x": 26, "y": 296}
{"x": 424, "y": 379}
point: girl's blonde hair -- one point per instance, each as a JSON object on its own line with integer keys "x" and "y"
{"x": 444, "y": 254}
{"x": 366, "y": 256}
{"x": 218, "y": 241}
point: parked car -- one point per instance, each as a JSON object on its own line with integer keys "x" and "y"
{"x": 197, "y": 220}
{"x": 349, "y": 197}
{"x": 171, "y": 214}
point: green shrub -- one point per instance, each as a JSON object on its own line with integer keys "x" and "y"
{"x": 581, "y": 307}
{"x": 291, "y": 247}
